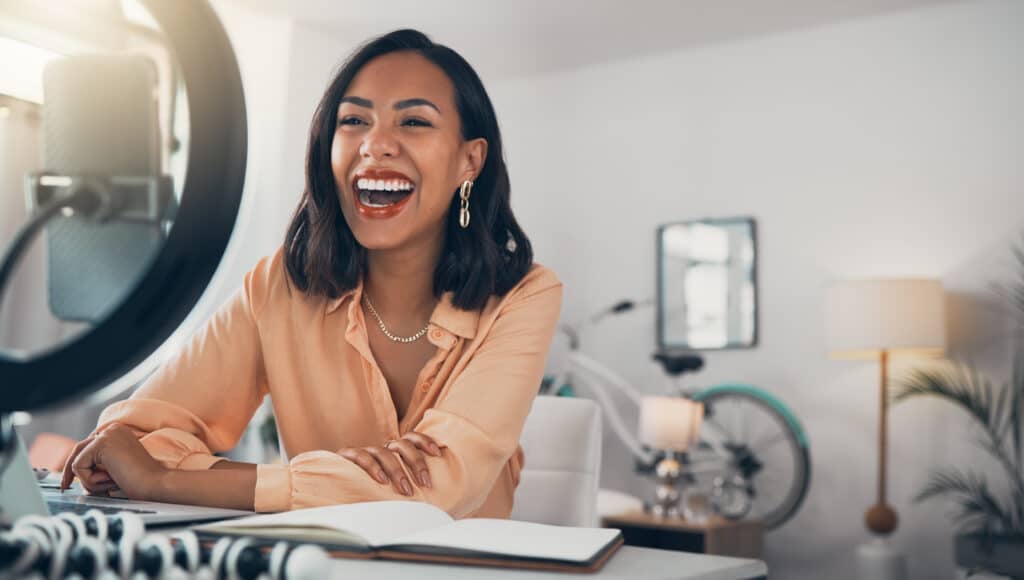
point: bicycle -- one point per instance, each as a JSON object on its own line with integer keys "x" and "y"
{"x": 745, "y": 471}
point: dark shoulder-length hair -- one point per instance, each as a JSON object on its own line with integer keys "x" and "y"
{"x": 488, "y": 258}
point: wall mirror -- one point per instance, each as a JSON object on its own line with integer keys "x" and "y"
{"x": 707, "y": 284}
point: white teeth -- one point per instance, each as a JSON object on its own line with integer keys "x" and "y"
{"x": 382, "y": 185}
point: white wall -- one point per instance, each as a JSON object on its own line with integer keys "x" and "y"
{"x": 888, "y": 146}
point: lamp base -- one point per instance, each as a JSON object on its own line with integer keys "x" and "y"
{"x": 877, "y": 559}
{"x": 881, "y": 519}
{"x": 661, "y": 511}
{"x": 668, "y": 471}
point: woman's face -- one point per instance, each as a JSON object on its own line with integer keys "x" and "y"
{"x": 398, "y": 154}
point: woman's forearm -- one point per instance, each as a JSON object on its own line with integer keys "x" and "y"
{"x": 226, "y": 484}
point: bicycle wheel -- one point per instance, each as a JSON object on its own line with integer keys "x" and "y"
{"x": 765, "y": 445}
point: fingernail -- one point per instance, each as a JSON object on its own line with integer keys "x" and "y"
{"x": 382, "y": 477}
{"x": 425, "y": 478}
{"x": 406, "y": 488}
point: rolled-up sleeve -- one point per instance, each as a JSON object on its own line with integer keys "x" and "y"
{"x": 477, "y": 420}
{"x": 200, "y": 402}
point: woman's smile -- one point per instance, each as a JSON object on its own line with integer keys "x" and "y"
{"x": 381, "y": 193}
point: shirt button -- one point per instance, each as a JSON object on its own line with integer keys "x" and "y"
{"x": 436, "y": 333}
{"x": 425, "y": 386}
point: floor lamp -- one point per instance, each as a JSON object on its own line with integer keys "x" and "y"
{"x": 881, "y": 320}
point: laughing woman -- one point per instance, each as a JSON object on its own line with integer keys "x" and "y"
{"x": 401, "y": 331}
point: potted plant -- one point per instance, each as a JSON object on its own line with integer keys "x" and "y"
{"x": 990, "y": 524}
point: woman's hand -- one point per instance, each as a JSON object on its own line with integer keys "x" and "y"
{"x": 113, "y": 459}
{"x": 383, "y": 465}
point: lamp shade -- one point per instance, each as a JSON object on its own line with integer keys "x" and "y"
{"x": 901, "y": 316}
{"x": 669, "y": 423}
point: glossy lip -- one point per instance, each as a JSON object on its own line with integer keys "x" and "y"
{"x": 380, "y": 212}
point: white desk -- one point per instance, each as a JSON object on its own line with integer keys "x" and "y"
{"x": 629, "y": 563}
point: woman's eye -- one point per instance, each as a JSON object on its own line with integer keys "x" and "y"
{"x": 351, "y": 121}
{"x": 414, "y": 122}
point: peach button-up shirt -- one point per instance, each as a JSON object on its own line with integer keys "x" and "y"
{"x": 313, "y": 358}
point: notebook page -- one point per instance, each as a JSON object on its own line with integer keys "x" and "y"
{"x": 515, "y": 538}
{"x": 375, "y": 522}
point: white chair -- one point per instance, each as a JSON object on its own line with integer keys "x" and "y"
{"x": 562, "y": 444}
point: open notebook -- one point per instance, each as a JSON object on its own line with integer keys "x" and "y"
{"x": 407, "y": 530}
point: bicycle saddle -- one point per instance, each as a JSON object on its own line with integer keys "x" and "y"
{"x": 678, "y": 362}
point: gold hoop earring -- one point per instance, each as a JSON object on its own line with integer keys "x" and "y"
{"x": 464, "y": 191}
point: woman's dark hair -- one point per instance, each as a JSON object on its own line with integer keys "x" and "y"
{"x": 488, "y": 258}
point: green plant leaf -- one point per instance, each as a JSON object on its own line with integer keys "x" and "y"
{"x": 1016, "y": 405}
{"x": 977, "y": 508}
{"x": 1017, "y": 287}
{"x": 1016, "y": 418}
{"x": 1000, "y": 412}
{"x": 958, "y": 384}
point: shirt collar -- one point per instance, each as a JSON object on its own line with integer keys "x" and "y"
{"x": 455, "y": 320}
{"x": 334, "y": 303}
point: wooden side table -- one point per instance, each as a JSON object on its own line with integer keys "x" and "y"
{"x": 718, "y": 536}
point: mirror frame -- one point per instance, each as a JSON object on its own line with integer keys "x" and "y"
{"x": 659, "y": 302}
{"x": 189, "y": 258}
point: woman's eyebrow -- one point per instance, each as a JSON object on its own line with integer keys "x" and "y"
{"x": 403, "y": 104}
{"x": 407, "y": 103}
{"x": 358, "y": 101}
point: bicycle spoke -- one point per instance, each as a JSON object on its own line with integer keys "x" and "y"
{"x": 769, "y": 442}
{"x": 702, "y": 457}
{"x": 757, "y": 425}
{"x": 743, "y": 425}
{"x": 722, "y": 431}
{"x": 770, "y": 476}
{"x": 725, "y": 418}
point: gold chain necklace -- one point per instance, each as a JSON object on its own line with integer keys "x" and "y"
{"x": 387, "y": 333}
